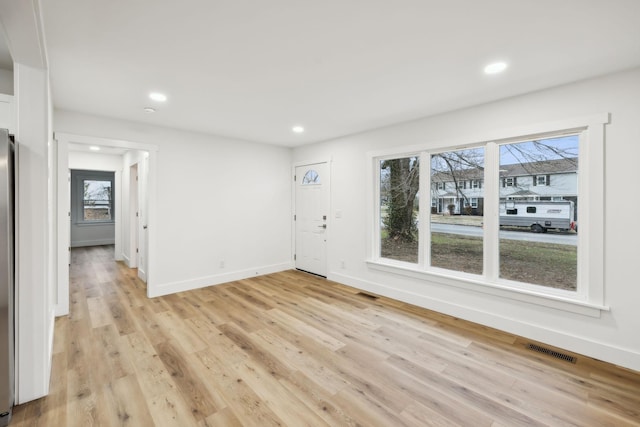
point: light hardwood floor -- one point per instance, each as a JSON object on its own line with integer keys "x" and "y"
{"x": 290, "y": 349}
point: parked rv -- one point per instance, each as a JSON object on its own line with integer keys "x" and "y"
{"x": 538, "y": 216}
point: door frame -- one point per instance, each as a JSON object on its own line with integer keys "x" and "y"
{"x": 133, "y": 215}
{"x": 142, "y": 222}
{"x": 328, "y": 232}
{"x": 62, "y": 141}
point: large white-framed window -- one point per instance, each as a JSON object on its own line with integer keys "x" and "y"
{"x": 492, "y": 263}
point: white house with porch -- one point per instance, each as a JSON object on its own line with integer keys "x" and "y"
{"x": 462, "y": 192}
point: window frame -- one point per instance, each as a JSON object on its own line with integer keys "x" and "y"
{"x": 588, "y": 299}
{"x": 78, "y": 176}
{"x": 422, "y": 205}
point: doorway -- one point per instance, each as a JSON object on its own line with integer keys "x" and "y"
{"x": 311, "y": 217}
{"x": 143, "y": 156}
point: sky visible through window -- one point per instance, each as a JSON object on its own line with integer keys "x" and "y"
{"x": 97, "y": 190}
{"x": 564, "y": 147}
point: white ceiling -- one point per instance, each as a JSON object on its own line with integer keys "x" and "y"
{"x": 252, "y": 69}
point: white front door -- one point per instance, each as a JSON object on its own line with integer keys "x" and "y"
{"x": 311, "y": 217}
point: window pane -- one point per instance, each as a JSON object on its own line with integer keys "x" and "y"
{"x": 399, "y": 193}
{"x": 311, "y": 178}
{"x": 97, "y": 200}
{"x": 538, "y": 241}
{"x": 456, "y": 219}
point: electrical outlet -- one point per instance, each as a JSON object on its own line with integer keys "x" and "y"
{"x": 221, "y": 264}
{"x": 342, "y": 264}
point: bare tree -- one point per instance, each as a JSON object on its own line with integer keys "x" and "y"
{"x": 401, "y": 179}
{"x": 457, "y": 167}
{"x": 96, "y": 191}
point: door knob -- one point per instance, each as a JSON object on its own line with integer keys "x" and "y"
{"x": 323, "y": 226}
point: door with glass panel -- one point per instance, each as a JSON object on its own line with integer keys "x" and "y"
{"x": 311, "y": 215}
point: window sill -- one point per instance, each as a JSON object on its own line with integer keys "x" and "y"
{"x": 92, "y": 223}
{"x": 477, "y": 284}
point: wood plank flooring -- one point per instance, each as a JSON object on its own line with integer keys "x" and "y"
{"x": 290, "y": 349}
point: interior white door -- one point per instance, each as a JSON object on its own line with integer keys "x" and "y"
{"x": 143, "y": 168}
{"x": 311, "y": 215}
{"x": 134, "y": 216}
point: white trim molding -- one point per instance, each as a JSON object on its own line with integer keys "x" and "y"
{"x": 218, "y": 279}
{"x": 589, "y": 299}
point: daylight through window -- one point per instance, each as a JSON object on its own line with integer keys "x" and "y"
{"x": 97, "y": 200}
{"x": 538, "y": 241}
{"x": 456, "y": 222}
{"x": 399, "y": 195}
{"x": 93, "y": 197}
{"x": 503, "y": 213}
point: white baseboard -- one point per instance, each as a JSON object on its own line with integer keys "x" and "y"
{"x": 60, "y": 310}
{"x": 142, "y": 274}
{"x": 597, "y": 350}
{"x": 201, "y": 282}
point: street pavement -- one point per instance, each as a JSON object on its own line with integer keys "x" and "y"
{"x": 562, "y": 238}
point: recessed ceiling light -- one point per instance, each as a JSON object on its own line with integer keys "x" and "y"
{"x": 149, "y": 110}
{"x": 297, "y": 129}
{"x": 495, "y": 68}
{"x": 158, "y": 97}
{"x": 94, "y": 148}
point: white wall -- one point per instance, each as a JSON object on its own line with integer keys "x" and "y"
{"x": 6, "y": 82}
{"x": 99, "y": 234}
{"x": 94, "y": 162}
{"x": 7, "y": 113}
{"x": 614, "y": 336}
{"x": 35, "y": 262}
{"x": 34, "y": 288}
{"x": 218, "y": 200}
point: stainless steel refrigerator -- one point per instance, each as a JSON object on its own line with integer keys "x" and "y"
{"x": 7, "y": 245}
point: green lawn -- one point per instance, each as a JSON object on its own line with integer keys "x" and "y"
{"x": 544, "y": 264}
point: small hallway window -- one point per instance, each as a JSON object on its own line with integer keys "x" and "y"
{"x": 94, "y": 195}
